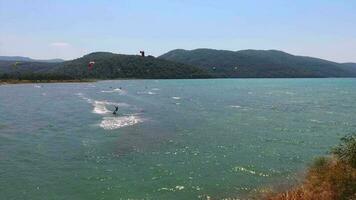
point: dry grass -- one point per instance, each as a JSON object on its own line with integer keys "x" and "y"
{"x": 327, "y": 179}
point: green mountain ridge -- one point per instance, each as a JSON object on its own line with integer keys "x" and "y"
{"x": 259, "y": 64}
{"x": 107, "y": 66}
{"x": 28, "y": 59}
{"x": 176, "y": 64}
{"x": 12, "y": 67}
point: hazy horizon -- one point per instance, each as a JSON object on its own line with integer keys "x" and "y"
{"x": 70, "y": 29}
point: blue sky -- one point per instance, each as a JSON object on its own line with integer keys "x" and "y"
{"x": 70, "y": 28}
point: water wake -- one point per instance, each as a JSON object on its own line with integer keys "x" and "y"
{"x": 100, "y": 107}
{"x": 110, "y": 122}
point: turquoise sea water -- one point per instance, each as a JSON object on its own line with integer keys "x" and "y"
{"x": 172, "y": 139}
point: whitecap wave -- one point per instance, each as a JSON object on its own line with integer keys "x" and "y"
{"x": 149, "y": 92}
{"x": 176, "y": 98}
{"x": 316, "y": 121}
{"x": 111, "y": 123}
{"x": 81, "y": 95}
{"x": 250, "y": 171}
{"x": 116, "y": 90}
{"x": 235, "y": 106}
{"x": 172, "y": 189}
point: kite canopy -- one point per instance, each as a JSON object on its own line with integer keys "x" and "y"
{"x": 91, "y": 65}
{"x": 142, "y": 53}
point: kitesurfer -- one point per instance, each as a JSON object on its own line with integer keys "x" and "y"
{"x": 116, "y": 110}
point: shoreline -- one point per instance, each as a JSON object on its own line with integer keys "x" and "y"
{"x": 14, "y": 81}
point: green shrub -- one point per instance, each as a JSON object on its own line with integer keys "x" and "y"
{"x": 346, "y": 151}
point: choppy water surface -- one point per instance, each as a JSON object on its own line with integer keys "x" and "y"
{"x": 172, "y": 139}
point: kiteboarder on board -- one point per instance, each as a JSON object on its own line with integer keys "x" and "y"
{"x": 116, "y": 109}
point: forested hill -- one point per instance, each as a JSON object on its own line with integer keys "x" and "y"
{"x": 350, "y": 67}
{"x": 259, "y": 64}
{"x": 106, "y": 66}
{"x": 110, "y": 66}
{"x": 200, "y": 63}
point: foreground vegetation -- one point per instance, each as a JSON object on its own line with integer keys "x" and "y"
{"x": 328, "y": 178}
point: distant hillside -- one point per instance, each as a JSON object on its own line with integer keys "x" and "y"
{"x": 350, "y": 64}
{"x": 259, "y": 64}
{"x": 15, "y": 58}
{"x": 349, "y": 67}
{"x": 107, "y": 66}
{"x": 200, "y": 63}
{"x": 11, "y": 67}
{"x": 27, "y": 59}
